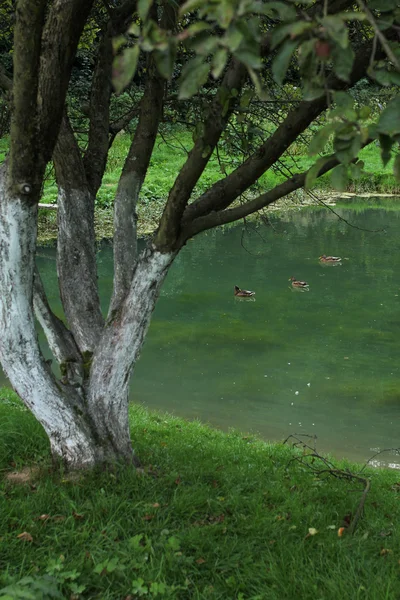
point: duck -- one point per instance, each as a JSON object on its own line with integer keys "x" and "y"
{"x": 299, "y": 284}
{"x": 243, "y": 293}
{"x": 330, "y": 259}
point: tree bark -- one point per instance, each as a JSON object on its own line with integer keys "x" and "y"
{"x": 119, "y": 349}
{"x": 76, "y": 247}
{"x": 86, "y": 426}
{"x": 58, "y": 408}
{"x": 130, "y": 184}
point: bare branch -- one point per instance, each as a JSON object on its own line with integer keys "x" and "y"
{"x": 123, "y": 122}
{"x": 311, "y": 459}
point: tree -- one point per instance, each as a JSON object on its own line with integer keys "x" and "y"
{"x": 243, "y": 44}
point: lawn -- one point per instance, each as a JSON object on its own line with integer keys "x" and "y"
{"x": 213, "y": 516}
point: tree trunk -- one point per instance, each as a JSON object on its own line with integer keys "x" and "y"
{"x": 119, "y": 349}
{"x": 86, "y": 425}
{"x": 58, "y": 408}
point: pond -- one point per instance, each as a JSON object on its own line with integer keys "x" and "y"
{"x": 323, "y": 362}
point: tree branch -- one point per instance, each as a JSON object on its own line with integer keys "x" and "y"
{"x": 23, "y": 171}
{"x": 389, "y": 52}
{"x": 226, "y": 190}
{"x": 60, "y": 339}
{"x": 215, "y": 123}
{"x": 131, "y": 180}
{"x": 61, "y": 35}
{"x": 214, "y": 219}
{"x": 99, "y": 114}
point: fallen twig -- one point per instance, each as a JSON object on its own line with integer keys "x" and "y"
{"x": 312, "y": 460}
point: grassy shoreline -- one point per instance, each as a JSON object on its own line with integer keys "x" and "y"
{"x": 217, "y": 516}
{"x": 169, "y": 155}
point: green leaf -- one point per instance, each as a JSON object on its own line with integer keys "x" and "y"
{"x": 124, "y": 67}
{"x": 352, "y": 16}
{"x": 356, "y": 169}
{"x": 344, "y": 106}
{"x": 232, "y": 38}
{"x": 343, "y": 60}
{"x": 246, "y": 98}
{"x": 274, "y": 9}
{"x": 143, "y": 7}
{"x": 343, "y": 101}
{"x": 347, "y": 147}
{"x": 312, "y": 90}
{"x": 389, "y": 122}
{"x": 134, "y": 29}
{"x": 194, "y": 29}
{"x": 248, "y": 58}
{"x": 219, "y": 62}
{"x": 340, "y": 178}
{"x": 165, "y": 60}
{"x": 383, "y": 5}
{"x": 281, "y": 62}
{"x": 203, "y": 43}
{"x": 191, "y": 5}
{"x": 336, "y": 30}
{"x": 364, "y": 112}
{"x": 313, "y": 173}
{"x": 320, "y": 139}
{"x": 194, "y": 75}
{"x": 261, "y": 92}
{"x": 292, "y": 29}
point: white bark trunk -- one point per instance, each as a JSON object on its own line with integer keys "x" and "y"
{"x": 20, "y": 355}
{"x": 90, "y": 427}
{"x": 76, "y": 267}
{"x": 125, "y": 238}
{"x": 119, "y": 348}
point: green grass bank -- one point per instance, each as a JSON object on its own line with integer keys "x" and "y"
{"x": 216, "y": 516}
{"x": 170, "y": 153}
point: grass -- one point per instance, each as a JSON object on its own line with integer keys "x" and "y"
{"x": 225, "y": 516}
{"x": 169, "y": 155}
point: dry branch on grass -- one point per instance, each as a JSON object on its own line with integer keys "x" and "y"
{"x": 321, "y": 466}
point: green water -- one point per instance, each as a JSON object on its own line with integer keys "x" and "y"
{"x": 323, "y": 362}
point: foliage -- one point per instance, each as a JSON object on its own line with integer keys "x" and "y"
{"x": 322, "y": 46}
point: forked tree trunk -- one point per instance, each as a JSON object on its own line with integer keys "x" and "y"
{"x": 59, "y": 409}
{"x": 86, "y": 425}
{"x": 119, "y": 349}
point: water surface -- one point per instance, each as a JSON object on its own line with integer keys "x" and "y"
{"x": 323, "y": 362}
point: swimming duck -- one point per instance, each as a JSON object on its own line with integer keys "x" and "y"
{"x": 330, "y": 259}
{"x": 243, "y": 293}
{"x": 299, "y": 284}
